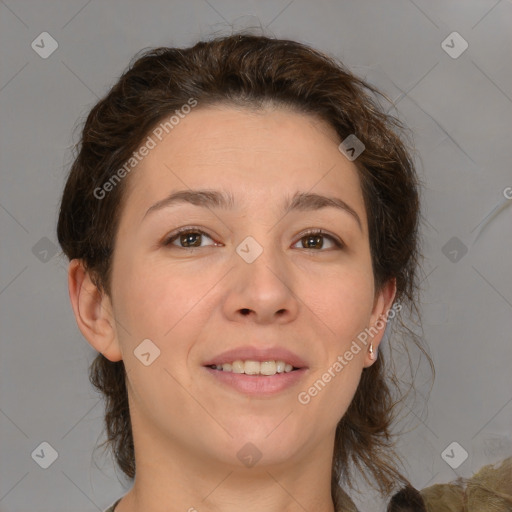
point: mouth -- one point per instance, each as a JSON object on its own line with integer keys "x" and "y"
{"x": 255, "y": 368}
{"x": 257, "y": 372}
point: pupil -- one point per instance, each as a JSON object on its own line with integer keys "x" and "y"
{"x": 312, "y": 239}
{"x": 188, "y": 239}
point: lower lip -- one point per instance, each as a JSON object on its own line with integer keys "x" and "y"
{"x": 258, "y": 385}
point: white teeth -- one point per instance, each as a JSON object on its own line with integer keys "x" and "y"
{"x": 252, "y": 367}
{"x": 255, "y": 367}
{"x": 267, "y": 368}
{"x": 238, "y": 367}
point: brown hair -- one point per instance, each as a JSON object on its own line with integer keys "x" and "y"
{"x": 251, "y": 71}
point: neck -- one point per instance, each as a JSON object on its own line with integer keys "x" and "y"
{"x": 176, "y": 480}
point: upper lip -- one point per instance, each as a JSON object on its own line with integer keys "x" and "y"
{"x": 257, "y": 354}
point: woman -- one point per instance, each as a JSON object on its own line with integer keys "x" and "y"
{"x": 241, "y": 222}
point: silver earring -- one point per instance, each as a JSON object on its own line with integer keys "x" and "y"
{"x": 373, "y": 356}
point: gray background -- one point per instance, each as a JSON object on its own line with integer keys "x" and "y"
{"x": 460, "y": 111}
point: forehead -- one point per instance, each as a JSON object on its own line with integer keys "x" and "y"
{"x": 257, "y": 155}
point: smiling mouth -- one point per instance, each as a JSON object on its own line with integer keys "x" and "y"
{"x": 255, "y": 368}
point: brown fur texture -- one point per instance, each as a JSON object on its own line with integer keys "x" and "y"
{"x": 489, "y": 490}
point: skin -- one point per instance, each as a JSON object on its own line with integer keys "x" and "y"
{"x": 188, "y": 428}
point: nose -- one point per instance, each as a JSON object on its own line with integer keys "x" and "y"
{"x": 262, "y": 291}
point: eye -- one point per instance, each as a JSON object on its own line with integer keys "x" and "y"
{"x": 192, "y": 238}
{"x": 189, "y": 237}
{"x": 314, "y": 239}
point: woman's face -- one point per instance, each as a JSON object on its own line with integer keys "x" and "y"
{"x": 254, "y": 284}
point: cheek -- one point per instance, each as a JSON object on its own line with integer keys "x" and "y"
{"x": 153, "y": 300}
{"x": 166, "y": 307}
{"x": 342, "y": 304}
{"x": 342, "y": 312}
{"x": 341, "y": 300}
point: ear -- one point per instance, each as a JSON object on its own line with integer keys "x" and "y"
{"x": 381, "y": 306}
{"x": 93, "y": 312}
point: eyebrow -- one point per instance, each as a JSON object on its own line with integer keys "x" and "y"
{"x": 301, "y": 201}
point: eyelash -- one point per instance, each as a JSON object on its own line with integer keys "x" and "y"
{"x": 191, "y": 229}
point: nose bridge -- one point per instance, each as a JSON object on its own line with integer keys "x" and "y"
{"x": 262, "y": 258}
{"x": 260, "y": 235}
{"x": 261, "y": 277}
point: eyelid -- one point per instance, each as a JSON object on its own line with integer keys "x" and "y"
{"x": 168, "y": 239}
{"x": 186, "y": 229}
{"x": 338, "y": 242}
